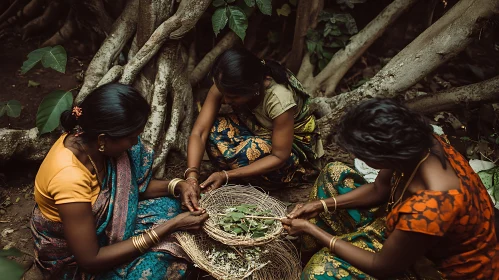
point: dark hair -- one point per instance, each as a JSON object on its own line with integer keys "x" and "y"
{"x": 381, "y": 131}
{"x": 237, "y": 71}
{"x": 115, "y": 110}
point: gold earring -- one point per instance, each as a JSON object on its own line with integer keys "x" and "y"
{"x": 101, "y": 148}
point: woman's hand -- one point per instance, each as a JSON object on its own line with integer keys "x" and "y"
{"x": 296, "y": 226}
{"x": 190, "y": 220}
{"x": 189, "y": 195}
{"x": 306, "y": 211}
{"x": 215, "y": 181}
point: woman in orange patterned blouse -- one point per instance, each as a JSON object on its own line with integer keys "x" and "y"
{"x": 437, "y": 207}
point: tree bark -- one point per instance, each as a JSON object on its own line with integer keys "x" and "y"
{"x": 306, "y": 17}
{"x": 325, "y": 83}
{"x": 441, "y": 41}
{"x": 486, "y": 91}
{"x": 122, "y": 30}
{"x": 204, "y": 65}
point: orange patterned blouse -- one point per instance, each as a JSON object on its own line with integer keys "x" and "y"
{"x": 464, "y": 218}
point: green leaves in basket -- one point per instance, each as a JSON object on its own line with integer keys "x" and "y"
{"x": 237, "y": 222}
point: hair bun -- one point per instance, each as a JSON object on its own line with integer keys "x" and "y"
{"x": 68, "y": 120}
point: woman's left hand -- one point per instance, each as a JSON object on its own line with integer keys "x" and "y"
{"x": 189, "y": 195}
{"x": 296, "y": 226}
{"x": 215, "y": 181}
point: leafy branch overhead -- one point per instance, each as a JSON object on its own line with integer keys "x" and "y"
{"x": 236, "y": 14}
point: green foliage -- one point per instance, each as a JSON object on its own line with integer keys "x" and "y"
{"x": 490, "y": 179}
{"x": 12, "y": 108}
{"x": 51, "y": 57}
{"x": 237, "y": 222}
{"x": 238, "y": 21}
{"x": 285, "y": 10}
{"x": 219, "y": 20}
{"x": 265, "y": 6}
{"x": 49, "y": 111}
{"x": 236, "y": 14}
{"x": 9, "y": 269}
{"x": 332, "y": 33}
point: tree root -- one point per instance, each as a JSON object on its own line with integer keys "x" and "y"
{"x": 123, "y": 28}
{"x": 62, "y": 35}
{"x": 327, "y": 80}
{"x": 486, "y": 91}
{"x": 181, "y": 114}
{"x": 24, "y": 144}
{"x": 154, "y": 127}
{"x": 306, "y": 18}
{"x": 49, "y": 16}
{"x": 112, "y": 75}
{"x": 191, "y": 62}
{"x": 204, "y": 65}
{"x": 443, "y": 40}
{"x": 189, "y": 12}
{"x": 14, "y": 7}
{"x": 149, "y": 49}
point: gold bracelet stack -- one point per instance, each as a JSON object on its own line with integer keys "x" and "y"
{"x": 171, "y": 186}
{"x": 140, "y": 243}
{"x": 153, "y": 236}
{"x": 325, "y": 206}
{"x": 332, "y": 243}
{"x": 335, "y": 204}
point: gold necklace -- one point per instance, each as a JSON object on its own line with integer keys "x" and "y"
{"x": 391, "y": 203}
{"x": 93, "y": 164}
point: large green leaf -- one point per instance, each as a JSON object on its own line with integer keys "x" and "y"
{"x": 56, "y": 59}
{"x": 10, "y": 270}
{"x": 250, "y": 3}
{"x": 265, "y": 6}
{"x": 218, "y": 3}
{"x": 219, "y": 20}
{"x": 238, "y": 21}
{"x": 49, "y": 111}
{"x": 12, "y": 108}
{"x": 33, "y": 58}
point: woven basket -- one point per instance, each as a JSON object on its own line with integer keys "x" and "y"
{"x": 217, "y": 201}
{"x": 278, "y": 260}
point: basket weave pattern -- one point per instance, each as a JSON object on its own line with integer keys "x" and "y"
{"x": 217, "y": 201}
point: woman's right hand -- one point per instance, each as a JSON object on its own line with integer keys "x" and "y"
{"x": 306, "y": 211}
{"x": 190, "y": 220}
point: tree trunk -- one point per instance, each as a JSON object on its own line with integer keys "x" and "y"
{"x": 440, "y": 42}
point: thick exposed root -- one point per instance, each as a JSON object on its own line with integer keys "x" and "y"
{"x": 123, "y": 29}
{"x": 62, "y": 35}
{"x": 49, "y": 16}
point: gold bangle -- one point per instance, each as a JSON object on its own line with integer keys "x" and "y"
{"x": 332, "y": 248}
{"x": 191, "y": 169}
{"x": 325, "y": 206}
{"x": 153, "y": 232}
{"x": 144, "y": 244}
{"x": 331, "y": 242}
{"x": 226, "y": 177}
{"x": 136, "y": 244}
{"x": 151, "y": 237}
{"x": 171, "y": 186}
{"x": 335, "y": 204}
